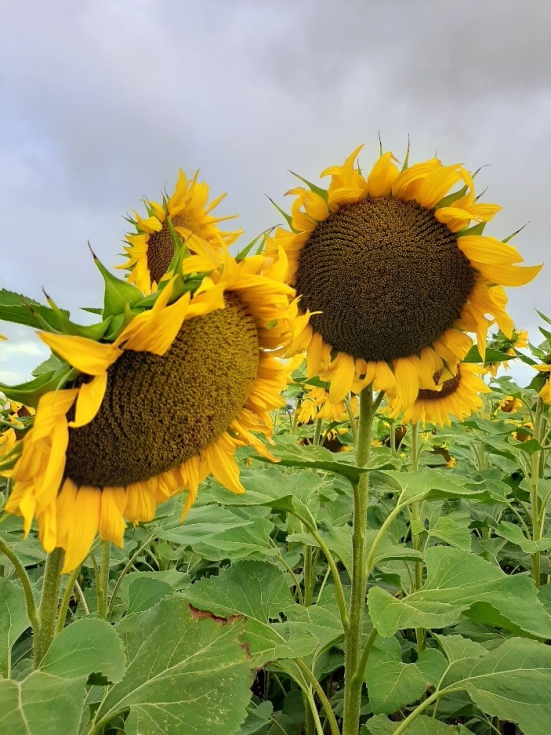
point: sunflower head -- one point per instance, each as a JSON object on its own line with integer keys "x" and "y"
{"x": 184, "y": 216}
{"x": 458, "y": 396}
{"x": 394, "y": 272}
{"x": 191, "y": 373}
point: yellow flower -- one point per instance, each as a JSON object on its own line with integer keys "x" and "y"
{"x": 315, "y": 405}
{"x": 509, "y": 404}
{"x": 517, "y": 341}
{"x": 153, "y": 413}
{"x": 392, "y": 276}
{"x": 151, "y": 247}
{"x": 545, "y": 392}
{"x": 458, "y": 396}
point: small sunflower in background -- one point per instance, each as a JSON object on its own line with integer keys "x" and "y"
{"x": 394, "y": 274}
{"x": 150, "y": 248}
{"x": 545, "y": 392}
{"x": 509, "y": 346}
{"x": 458, "y": 396}
{"x": 314, "y": 405}
{"x": 510, "y": 404}
{"x": 190, "y": 375}
{"x": 14, "y": 419}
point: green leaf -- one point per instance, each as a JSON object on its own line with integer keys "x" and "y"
{"x": 452, "y": 532}
{"x": 491, "y": 355}
{"x": 21, "y": 310}
{"x": 512, "y": 682}
{"x": 118, "y": 292}
{"x": 145, "y": 592}
{"x": 13, "y": 621}
{"x": 314, "y": 457}
{"x": 273, "y": 488}
{"x": 181, "y": 670}
{"x": 460, "y": 583}
{"x": 392, "y": 684}
{"x": 258, "y": 591}
{"x": 41, "y": 704}
{"x": 221, "y": 533}
{"x": 323, "y": 619}
{"x": 514, "y": 534}
{"x": 427, "y": 484}
{"x": 29, "y": 393}
{"x": 87, "y": 646}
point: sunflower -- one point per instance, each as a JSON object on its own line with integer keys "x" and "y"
{"x": 457, "y": 396}
{"x": 518, "y": 341}
{"x": 393, "y": 274}
{"x": 151, "y": 247}
{"x": 315, "y": 405}
{"x": 545, "y": 392}
{"x": 154, "y": 412}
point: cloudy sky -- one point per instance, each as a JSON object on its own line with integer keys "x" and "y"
{"x": 102, "y": 100}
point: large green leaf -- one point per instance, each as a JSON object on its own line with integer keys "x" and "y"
{"x": 514, "y": 535}
{"x": 512, "y": 682}
{"x": 427, "y": 484}
{"x": 258, "y": 591}
{"x": 182, "y": 670}
{"x": 314, "y": 457}
{"x": 274, "y": 488}
{"x": 13, "y": 621}
{"x": 87, "y": 646}
{"x": 221, "y": 533}
{"x": 457, "y": 582}
{"x": 391, "y": 683}
{"x": 323, "y": 619}
{"x": 41, "y": 704}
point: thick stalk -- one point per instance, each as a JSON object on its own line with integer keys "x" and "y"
{"x": 353, "y": 678}
{"x": 65, "y": 600}
{"x": 307, "y": 573}
{"x": 48, "y": 605}
{"x": 416, "y": 537}
{"x": 32, "y": 612}
{"x": 317, "y": 432}
{"x": 534, "y": 498}
{"x": 103, "y": 578}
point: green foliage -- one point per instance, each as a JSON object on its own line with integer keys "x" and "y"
{"x": 235, "y": 621}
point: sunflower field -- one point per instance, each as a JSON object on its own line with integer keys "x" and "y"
{"x": 286, "y": 488}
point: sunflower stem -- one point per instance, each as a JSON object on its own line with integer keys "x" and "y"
{"x": 353, "y": 677}
{"x": 416, "y": 537}
{"x": 317, "y": 432}
{"x": 69, "y": 587}
{"x": 32, "y": 611}
{"x": 48, "y": 610}
{"x": 103, "y": 578}
{"x": 534, "y": 498}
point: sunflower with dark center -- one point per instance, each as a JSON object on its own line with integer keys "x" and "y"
{"x": 154, "y": 412}
{"x": 394, "y": 275}
{"x": 151, "y": 247}
{"x": 457, "y": 396}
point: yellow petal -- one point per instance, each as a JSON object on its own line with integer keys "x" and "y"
{"x": 90, "y": 396}
{"x": 223, "y": 466}
{"x": 488, "y": 250}
{"x": 155, "y": 330}
{"x": 86, "y": 512}
{"x": 383, "y": 174}
{"x": 86, "y": 355}
{"x": 507, "y": 275}
{"x": 342, "y": 373}
{"x": 407, "y": 380}
{"x": 111, "y": 524}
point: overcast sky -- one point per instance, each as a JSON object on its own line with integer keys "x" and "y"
{"x": 102, "y": 100}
